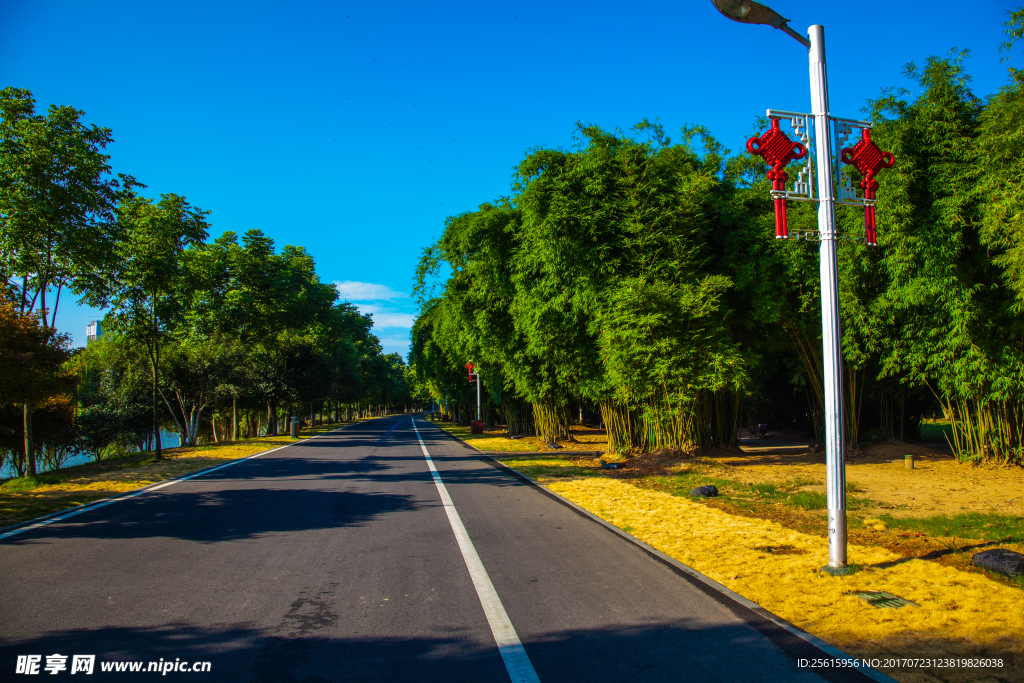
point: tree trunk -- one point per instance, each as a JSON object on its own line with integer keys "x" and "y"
{"x": 182, "y": 438}
{"x": 810, "y": 357}
{"x": 156, "y": 426}
{"x": 234, "y": 419}
{"x": 855, "y": 398}
{"x": 30, "y": 454}
{"x": 158, "y": 454}
{"x": 903, "y": 409}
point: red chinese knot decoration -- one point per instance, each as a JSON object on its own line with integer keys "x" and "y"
{"x": 469, "y": 366}
{"x": 778, "y": 150}
{"x": 867, "y": 158}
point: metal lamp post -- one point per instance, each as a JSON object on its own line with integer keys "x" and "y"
{"x": 776, "y": 147}
{"x": 470, "y": 366}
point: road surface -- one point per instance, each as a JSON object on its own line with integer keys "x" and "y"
{"x": 339, "y": 559}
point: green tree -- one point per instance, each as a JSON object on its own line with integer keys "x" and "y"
{"x": 954, "y": 327}
{"x": 1001, "y": 186}
{"x": 592, "y": 282}
{"x": 140, "y": 289}
{"x": 196, "y": 366}
{"x": 32, "y": 358}
{"x": 113, "y": 396}
{"x": 57, "y": 202}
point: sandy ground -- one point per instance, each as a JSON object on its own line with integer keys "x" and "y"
{"x": 938, "y": 484}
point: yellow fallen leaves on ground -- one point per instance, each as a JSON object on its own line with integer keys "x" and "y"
{"x": 497, "y": 443}
{"x": 958, "y": 614}
{"x": 485, "y": 441}
{"x": 229, "y": 450}
{"x": 105, "y": 485}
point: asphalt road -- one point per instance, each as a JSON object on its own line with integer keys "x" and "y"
{"x": 336, "y": 560}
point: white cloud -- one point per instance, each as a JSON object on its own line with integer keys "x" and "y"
{"x": 395, "y": 342}
{"x": 387, "y": 317}
{"x": 395, "y": 345}
{"x": 353, "y": 290}
{"x": 394, "y": 319}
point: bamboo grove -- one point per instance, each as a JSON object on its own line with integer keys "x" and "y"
{"x": 208, "y": 339}
{"x": 637, "y": 281}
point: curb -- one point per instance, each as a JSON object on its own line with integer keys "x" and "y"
{"x": 709, "y": 586}
{"x": 61, "y": 515}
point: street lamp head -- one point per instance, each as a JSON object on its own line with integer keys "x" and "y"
{"x": 750, "y": 12}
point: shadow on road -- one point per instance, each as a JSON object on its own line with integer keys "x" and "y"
{"x": 225, "y": 515}
{"x": 654, "y": 652}
{"x": 280, "y": 493}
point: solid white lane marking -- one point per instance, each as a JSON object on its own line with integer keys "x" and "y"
{"x": 108, "y": 501}
{"x": 518, "y": 664}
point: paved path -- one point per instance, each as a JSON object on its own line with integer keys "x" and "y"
{"x": 335, "y": 560}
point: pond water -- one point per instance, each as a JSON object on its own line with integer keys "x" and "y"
{"x": 167, "y": 440}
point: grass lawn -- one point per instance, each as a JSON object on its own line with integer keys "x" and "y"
{"x": 978, "y": 526}
{"x": 22, "y": 499}
{"x": 936, "y": 430}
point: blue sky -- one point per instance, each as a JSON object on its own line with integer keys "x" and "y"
{"x": 355, "y": 129}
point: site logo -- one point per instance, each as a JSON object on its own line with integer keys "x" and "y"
{"x": 32, "y": 665}
{"x": 55, "y": 663}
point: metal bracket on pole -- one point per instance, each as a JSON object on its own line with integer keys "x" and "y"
{"x": 815, "y": 236}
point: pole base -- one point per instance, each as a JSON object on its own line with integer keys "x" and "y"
{"x": 837, "y": 571}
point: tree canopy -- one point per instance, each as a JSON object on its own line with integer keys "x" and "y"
{"x": 640, "y": 280}
{"x": 211, "y": 339}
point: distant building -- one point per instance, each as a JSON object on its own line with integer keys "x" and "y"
{"x": 93, "y": 331}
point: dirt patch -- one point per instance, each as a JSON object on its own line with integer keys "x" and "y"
{"x": 780, "y": 550}
{"x": 663, "y": 461}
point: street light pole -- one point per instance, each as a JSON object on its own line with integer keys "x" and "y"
{"x": 831, "y": 332}
{"x": 470, "y": 367}
{"x": 750, "y": 12}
